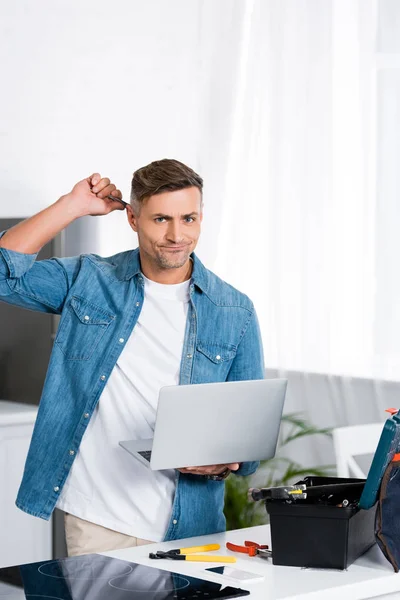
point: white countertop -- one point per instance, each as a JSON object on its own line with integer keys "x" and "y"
{"x": 16, "y": 413}
{"x": 371, "y": 576}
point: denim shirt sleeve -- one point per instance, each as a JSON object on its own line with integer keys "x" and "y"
{"x": 37, "y": 285}
{"x": 248, "y": 364}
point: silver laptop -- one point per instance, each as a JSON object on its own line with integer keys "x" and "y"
{"x": 212, "y": 424}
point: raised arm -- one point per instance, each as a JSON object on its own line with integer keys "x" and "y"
{"x": 88, "y": 197}
{"x": 43, "y": 285}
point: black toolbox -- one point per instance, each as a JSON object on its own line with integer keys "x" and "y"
{"x": 309, "y": 534}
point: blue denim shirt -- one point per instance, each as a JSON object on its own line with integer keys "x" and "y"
{"x": 99, "y": 300}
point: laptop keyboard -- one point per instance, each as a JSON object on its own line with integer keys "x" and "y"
{"x": 146, "y": 454}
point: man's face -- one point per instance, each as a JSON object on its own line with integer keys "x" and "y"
{"x": 168, "y": 227}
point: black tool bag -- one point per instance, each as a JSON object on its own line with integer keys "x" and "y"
{"x": 382, "y": 488}
{"x": 387, "y": 521}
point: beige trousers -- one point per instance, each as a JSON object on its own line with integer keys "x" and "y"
{"x": 83, "y": 537}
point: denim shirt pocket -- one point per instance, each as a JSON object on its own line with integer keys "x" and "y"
{"x": 82, "y": 326}
{"x": 214, "y": 359}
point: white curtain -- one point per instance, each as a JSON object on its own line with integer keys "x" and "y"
{"x": 303, "y": 227}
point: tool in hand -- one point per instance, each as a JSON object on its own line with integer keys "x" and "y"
{"x": 251, "y": 548}
{"x": 114, "y": 198}
{"x": 189, "y": 554}
{"x": 124, "y": 204}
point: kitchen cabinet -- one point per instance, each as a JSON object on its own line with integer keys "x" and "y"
{"x": 23, "y": 538}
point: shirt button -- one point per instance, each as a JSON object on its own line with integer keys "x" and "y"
{"x": 103, "y": 377}
{"x": 121, "y": 340}
{"x": 189, "y": 355}
{"x": 86, "y": 317}
{"x": 86, "y": 415}
{"x": 137, "y": 303}
{"x": 72, "y": 452}
{"x": 174, "y": 521}
{"x": 56, "y": 489}
{"x": 218, "y": 357}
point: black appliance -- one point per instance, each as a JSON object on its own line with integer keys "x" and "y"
{"x": 97, "y": 577}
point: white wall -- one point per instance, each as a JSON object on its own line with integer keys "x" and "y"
{"x": 97, "y": 86}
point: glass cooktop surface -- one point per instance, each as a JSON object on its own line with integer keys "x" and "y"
{"x": 96, "y": 577}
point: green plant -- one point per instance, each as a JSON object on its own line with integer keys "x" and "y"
{"x": 241, "y": 512}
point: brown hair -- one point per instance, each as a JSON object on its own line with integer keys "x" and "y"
{"x": 162, "y": 176}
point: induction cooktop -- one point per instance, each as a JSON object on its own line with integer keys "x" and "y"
{"x": 96, "y": 577}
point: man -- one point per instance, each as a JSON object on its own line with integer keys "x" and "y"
{"x": 130, "y": 324}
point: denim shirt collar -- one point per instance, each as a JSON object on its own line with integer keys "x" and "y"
{"x": 199, "y": 277}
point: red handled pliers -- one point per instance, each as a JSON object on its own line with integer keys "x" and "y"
{"x": 250, "y": 548}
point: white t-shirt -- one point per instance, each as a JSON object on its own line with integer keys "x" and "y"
{"x": 106, "y": 485}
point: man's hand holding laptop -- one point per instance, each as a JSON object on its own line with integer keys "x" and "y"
{"x": 219, "y": 471}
